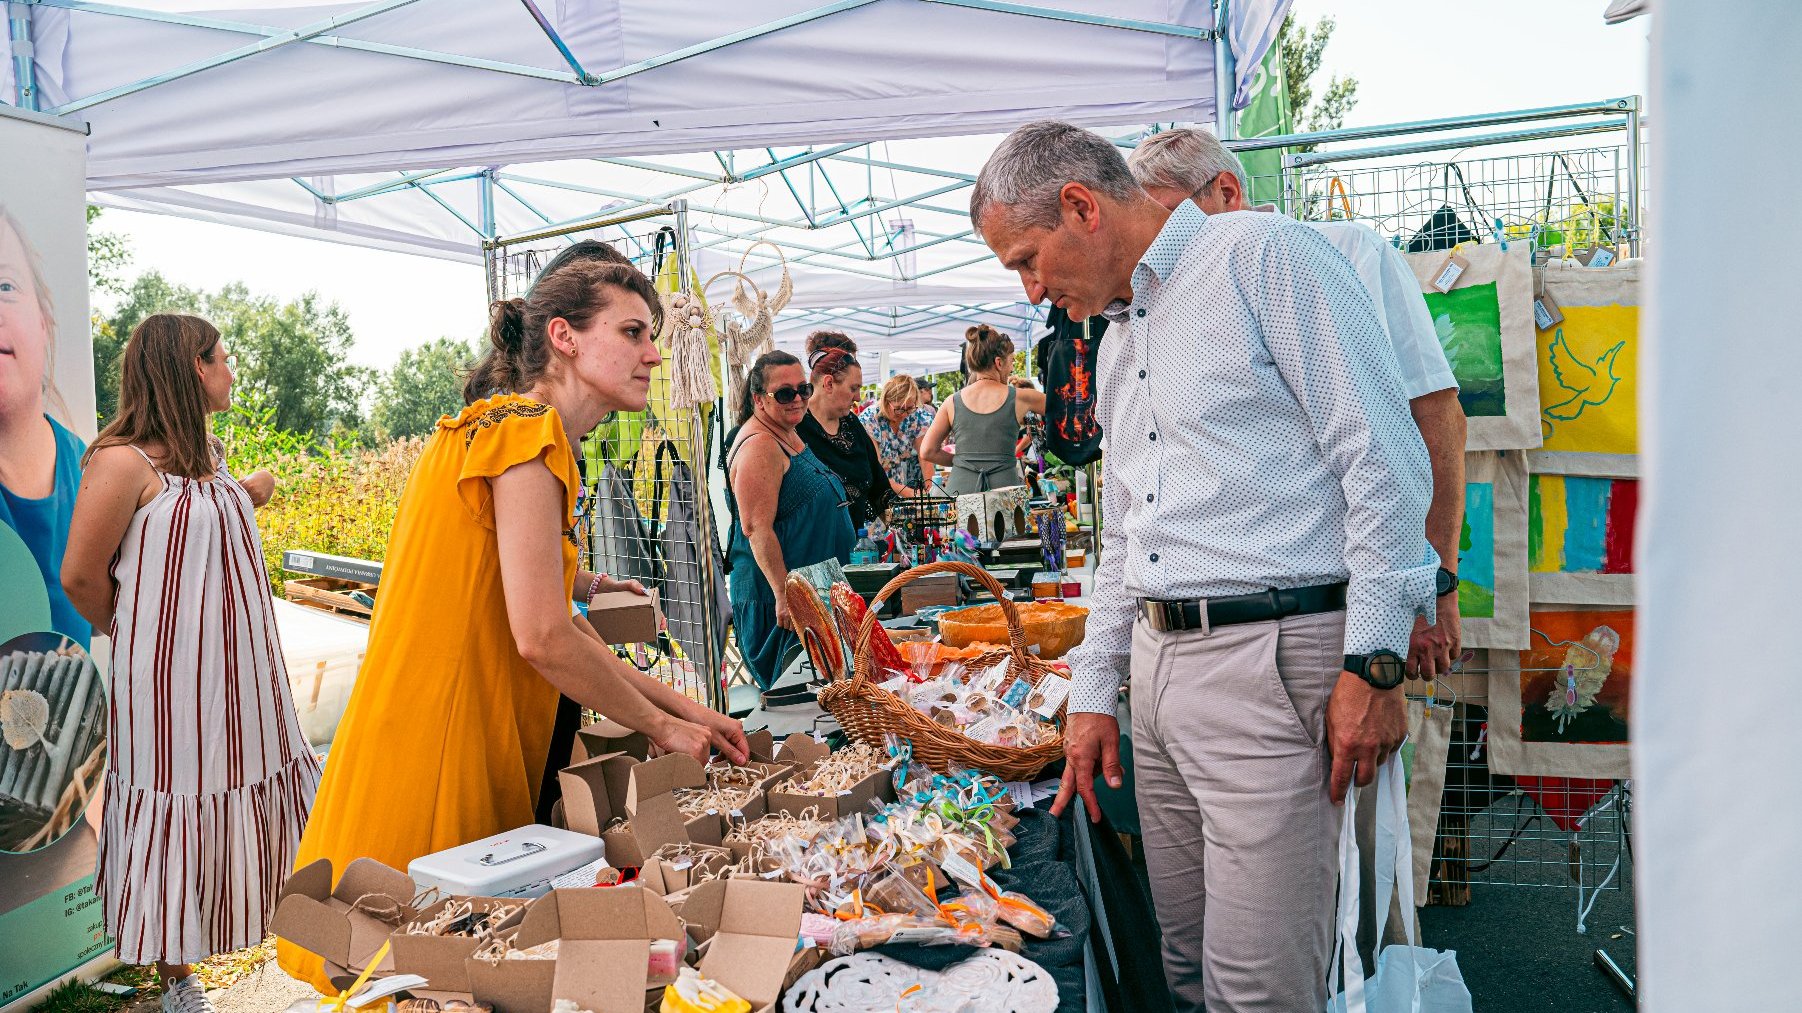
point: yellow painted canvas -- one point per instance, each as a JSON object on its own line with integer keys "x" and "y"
{"x": 1589, "y": 380}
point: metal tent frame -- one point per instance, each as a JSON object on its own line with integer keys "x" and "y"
{"x": 855, "y": 211}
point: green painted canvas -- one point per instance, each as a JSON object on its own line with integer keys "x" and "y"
{"x": 1468, "y": 322}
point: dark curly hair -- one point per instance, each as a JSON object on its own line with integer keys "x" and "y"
{"x": 576, "y": 290}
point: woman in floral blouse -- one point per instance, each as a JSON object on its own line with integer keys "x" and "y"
{"x": 896, "y": 427}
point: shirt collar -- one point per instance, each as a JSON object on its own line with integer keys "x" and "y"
{"x": 1161, "y": 256}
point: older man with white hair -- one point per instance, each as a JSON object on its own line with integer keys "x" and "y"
{"x": 1263, "y": 561}
{"x": 1188, "y": 164}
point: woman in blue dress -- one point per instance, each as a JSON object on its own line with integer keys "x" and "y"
{"x": 788, "y": 511}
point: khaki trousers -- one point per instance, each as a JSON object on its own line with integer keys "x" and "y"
{"x": 1241, "y": 838}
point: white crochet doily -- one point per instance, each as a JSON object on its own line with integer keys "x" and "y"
{"x": 991, "y": 981}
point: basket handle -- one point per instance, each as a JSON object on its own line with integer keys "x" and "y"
{"x": 1016, "y": 633}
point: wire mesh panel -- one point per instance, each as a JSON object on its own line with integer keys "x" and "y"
{"x": 1561, "y": 200}
{"x": 645, "y": 510}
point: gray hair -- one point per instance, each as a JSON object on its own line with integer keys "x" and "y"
{"x": 1183, "y": 159}
{"x": 1032, "y": 165}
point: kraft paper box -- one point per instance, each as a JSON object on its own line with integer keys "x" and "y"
{"x": 317, "y": 917}
{"x": 442, "y": 960}
{"x": 608, "y": 736}
{"x": 806, "y": 753}
{"x": 751, "y": 927}
{"x": 603, "y": 957}
{"x": 596, "y": 792}
{"x": 621, "y": 617}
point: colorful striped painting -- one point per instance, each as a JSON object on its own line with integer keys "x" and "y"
{"x": 1476, "y": 552}
{"x": 1580, "y": 525}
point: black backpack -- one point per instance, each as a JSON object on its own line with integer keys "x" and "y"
{"x": 1066, "y": 367}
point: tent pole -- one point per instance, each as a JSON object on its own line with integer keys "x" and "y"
{"x": 18, "y": 30}
{"x": 1226, "y": 122}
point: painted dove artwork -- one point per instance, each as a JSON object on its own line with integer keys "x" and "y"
{"x": 1587, "y": 383}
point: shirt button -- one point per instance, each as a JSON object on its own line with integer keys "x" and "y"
{"x": 1141, "y": 313}
{"x": 1141, "y": 374}
{"x": 1153, "y": 437}
{"x": 1151, "y": 497}
{"x": 1154, "y": 557}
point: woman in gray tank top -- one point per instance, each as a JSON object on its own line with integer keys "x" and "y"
{"x": 982, "y": 421}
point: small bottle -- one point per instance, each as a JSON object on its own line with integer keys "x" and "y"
{"x": 865, "y": 551}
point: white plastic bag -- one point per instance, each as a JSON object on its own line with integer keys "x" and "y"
{"x": 1410, "y": 978}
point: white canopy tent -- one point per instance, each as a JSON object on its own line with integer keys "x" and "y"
{"x": 437, "y": 127}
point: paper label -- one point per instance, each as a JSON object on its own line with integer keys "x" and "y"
{"x": 1021, "y": 792}
{"x": 1449, "y": 273}
{"x": 1049, "y": 695}
{"x": 987, "y": 730}
{"x": 1602, "y": 257}
{"x": 1546, "y": 313}
{"x": 959, "y": 868}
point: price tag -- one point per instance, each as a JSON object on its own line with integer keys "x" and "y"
{"x": 1601, "y": 256}
{"x": 1446, "y": 278}
{"x": 1049, "y": 695}
{"x": 1546, "y": 313}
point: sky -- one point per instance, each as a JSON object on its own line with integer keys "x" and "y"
{"x": 1414, "y": 59}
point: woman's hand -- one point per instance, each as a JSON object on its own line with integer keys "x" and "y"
{"x": 728, "y": 735}
{"x": 607, "y": 584}
{"x": 678, "y": 736}
{"x": 784, "y": 618}
{"x": 260, "y": 485}
{"x": 901, "y": 488}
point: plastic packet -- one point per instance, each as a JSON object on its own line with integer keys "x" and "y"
{"x": 1023, "y": 913}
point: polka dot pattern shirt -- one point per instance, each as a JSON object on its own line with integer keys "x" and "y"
{"x": 1257, "y": 437}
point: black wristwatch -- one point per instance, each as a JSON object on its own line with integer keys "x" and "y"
{"x": 1382, "y": 669}
{"x": 1444, "y": 582}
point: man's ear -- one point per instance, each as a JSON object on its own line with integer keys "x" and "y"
{"x": 1232, "y": 194}
{"x": 1080, "y": 207}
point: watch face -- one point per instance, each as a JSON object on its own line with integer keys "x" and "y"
{"x": 1385, "y": 669}
{"x": 1445, "y": 582}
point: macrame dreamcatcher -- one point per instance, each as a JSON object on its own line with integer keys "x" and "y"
{"x": 685, "y": 336}
{"x": 748, "y": 328}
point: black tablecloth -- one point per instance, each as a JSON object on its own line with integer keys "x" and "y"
{"x": 1044, "y": 868}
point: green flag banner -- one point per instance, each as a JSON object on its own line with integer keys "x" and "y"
{"x": 1267, "y": 115}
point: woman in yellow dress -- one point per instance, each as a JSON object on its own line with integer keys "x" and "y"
{"x": 449, "y": 725}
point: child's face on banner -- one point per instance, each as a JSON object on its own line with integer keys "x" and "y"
{"x": 24, "y": 333}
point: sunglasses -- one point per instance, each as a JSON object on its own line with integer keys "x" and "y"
{"x": 787, "y": 395}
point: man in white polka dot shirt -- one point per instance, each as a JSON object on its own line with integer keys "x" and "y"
{"x": 1263, "y": 561}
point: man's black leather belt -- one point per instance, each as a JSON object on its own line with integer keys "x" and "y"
{"x": 1175, "y": 616}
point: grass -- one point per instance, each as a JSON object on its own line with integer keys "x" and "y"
{"x": 220, "y": 971}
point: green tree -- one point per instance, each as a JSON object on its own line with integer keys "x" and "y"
{"x": 425, "y": 383}
{"x": 1302, "y": 48}
{"x": 291, "y": 355}
{"x": 108, "y": 256}
{"x": 150, "y": 293}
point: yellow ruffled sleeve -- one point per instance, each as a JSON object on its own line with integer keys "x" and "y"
{"x": 498, "y": 433}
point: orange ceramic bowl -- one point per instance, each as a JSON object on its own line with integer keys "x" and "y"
{"x": 1054, "y": 627}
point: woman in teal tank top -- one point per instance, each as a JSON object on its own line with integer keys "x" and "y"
{"x": 788, "y": 511}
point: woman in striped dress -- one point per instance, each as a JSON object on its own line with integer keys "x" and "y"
{"x": 209, "y": 779}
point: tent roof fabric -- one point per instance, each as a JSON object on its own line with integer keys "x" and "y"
{"x": 434, "y": 126}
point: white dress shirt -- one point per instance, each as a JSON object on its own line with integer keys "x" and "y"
{"x": 1257, "y": 437}
{"x": 1400, "y": 306}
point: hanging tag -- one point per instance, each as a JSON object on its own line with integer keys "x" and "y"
{"x": 1601, "y": 256}
{"x": 1449, "y": 272}
{"x": 1546, "y": 313}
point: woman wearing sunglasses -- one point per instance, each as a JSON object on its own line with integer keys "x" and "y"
{"x": 788, "y": 510}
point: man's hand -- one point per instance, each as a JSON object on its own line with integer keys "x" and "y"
{"x": 1434, "y": 649}
{"x": 1091, "y": 747}
{"x": 1364, "y": 727}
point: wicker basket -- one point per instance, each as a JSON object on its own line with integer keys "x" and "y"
{"x": 867, "y": 712}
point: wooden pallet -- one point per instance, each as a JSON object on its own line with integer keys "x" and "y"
{"x": 330, "y": 593}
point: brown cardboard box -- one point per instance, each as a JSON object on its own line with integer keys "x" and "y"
{"x": 804, "y": 752}
{"x": 442, "y": 960}
{"x": 597, "y": 791}
{"x": 317, "y": 917}
{"x": 609, "y": 736}
{"x": 602, "y": 961}
{"x": 621, "y": 617}
{"x": 753, "y": 926}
